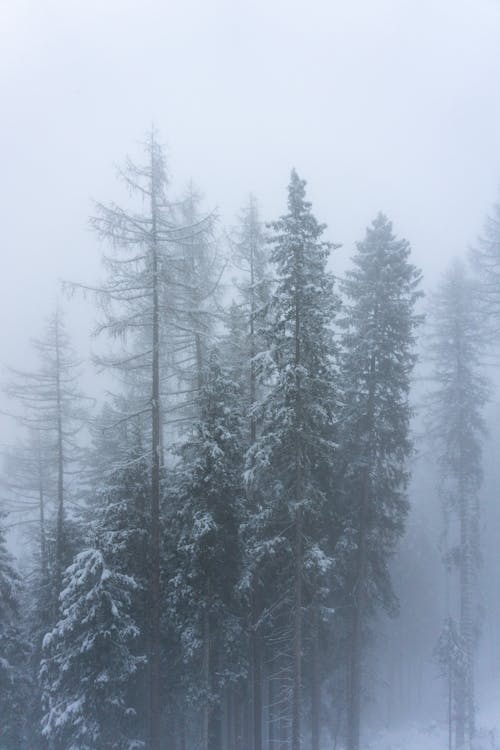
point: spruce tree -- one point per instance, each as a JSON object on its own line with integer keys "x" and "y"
{"x": 377, "y": 361}
{"x": 290, "y": 463}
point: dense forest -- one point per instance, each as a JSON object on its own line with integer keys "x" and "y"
{"x": 207, "y": 554}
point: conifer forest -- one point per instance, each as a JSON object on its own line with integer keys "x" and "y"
{"x": 249, "y": 442}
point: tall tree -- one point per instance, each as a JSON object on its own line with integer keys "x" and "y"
{"x": 456, "y": 416}
{"x": 136, "y": 300}
{"x": 290, "y": 463}
{"x": 377, "y": 360}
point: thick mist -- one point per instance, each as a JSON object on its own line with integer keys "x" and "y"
{"x": 249, "y": 385}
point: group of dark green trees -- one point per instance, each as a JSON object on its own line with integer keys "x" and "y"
{"x": 209, "y": 551}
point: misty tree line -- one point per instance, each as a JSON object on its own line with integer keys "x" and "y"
{"x": 211, "y": 548}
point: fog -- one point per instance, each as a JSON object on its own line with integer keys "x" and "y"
{"x": 380, "y": 106}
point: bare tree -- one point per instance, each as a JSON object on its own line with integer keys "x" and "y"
{"x": 51, "y": 408}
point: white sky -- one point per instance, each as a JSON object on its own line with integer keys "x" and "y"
{"x": 379, "y": 104}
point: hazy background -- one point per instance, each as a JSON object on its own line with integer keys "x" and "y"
{"x": 380, "y": 104}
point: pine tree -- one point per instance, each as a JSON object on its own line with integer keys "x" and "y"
{"x": 89, "y": 659}
{"x": 377, "y": 360}
{"x": 290, "y": 463}
{"x": 456, "y": 404}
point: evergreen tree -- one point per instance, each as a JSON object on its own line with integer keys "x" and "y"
{"x": 89, "y": 659}
{"x": 290, "y": 463}
{"x": 202, "y": 590}
{"x": 377, "y": 360}
{"x": 456, "y": 405}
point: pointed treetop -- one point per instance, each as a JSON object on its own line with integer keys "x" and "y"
{"x": 297, "y": 193}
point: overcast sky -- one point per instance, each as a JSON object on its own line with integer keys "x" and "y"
{"x": 379, "y": 104}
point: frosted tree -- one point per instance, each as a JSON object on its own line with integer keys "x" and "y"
{"x": 137, "y": 300}
{"x": 15, "y": 687}
{"x": 51, "y": 407}
{"x": 290, "y": 463}
{"x": 456, "y": 406}
{"x": 377, "y": 360}
{"x": 206, "y": 557}
{"x": 89, "y": 660}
